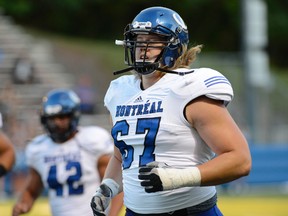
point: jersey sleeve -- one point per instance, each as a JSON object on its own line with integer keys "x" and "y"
{"x": 217, "y": 86}
{"x": 207, "y": 82}
{"x": 32, "y": 151}
{"x": 96, "y": 140}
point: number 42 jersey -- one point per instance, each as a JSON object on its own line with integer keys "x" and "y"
{"x": 69, "y": 170}
{"x": 149, "y": 125}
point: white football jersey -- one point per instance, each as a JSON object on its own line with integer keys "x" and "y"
{"x": 69, "y": 170}
{"x": 149, "y": 125}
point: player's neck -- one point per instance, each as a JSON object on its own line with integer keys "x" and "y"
{"x": 150, "y": 79}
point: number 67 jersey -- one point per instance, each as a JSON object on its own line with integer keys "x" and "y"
{"x": 149, "y": 125}
{"x": 69, "y": 170}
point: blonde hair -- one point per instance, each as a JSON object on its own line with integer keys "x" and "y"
{"x": 187, "y": 58}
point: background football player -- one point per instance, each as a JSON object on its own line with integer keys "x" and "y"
{"x": 69, "y": 161}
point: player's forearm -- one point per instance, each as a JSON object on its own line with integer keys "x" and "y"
{"x": 8, "y": 159}
{"x": 114, "y": 171}
{"x": 156, "y": 176}
{"x": 225, "y": 168}
{"x": 7, "y": 153}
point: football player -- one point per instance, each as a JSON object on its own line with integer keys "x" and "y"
{"x": 68, "y": 161}
{"x": 174, "y": 137}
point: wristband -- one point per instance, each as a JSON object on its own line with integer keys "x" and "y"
{"x": 3, "y": 170}
{"x": 173, "y": 178}
{"x": 114, "y": 187}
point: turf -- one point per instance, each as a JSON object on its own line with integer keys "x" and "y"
{"x": 253, "y": 206}
{"x": 229, "y": 205}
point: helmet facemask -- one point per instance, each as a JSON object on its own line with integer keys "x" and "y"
{"x": 61, "y": 103}
{"x": 59, "y": 134}
{"x": 144, "y": 64}
{"x": 166, "y": 24}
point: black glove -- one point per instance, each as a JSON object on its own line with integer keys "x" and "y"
{"x": 101, "y": 200}
{"x": 150, "y": 176}
{"x": 161, "y": 177}
{"x": 3, "y": 170}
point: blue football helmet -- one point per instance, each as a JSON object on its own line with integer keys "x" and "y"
{"x": 163, "y": 22}
{"x": 60, "y": 102}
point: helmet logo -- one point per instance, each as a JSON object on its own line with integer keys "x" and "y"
{"x": 53, "y": 109}
{"x": 180, "y": 21}
{"x": 142, "y": 25}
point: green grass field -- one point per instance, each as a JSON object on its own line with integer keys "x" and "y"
{"x": 229, "y": 205}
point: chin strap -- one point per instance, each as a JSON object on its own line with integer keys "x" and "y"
{"x": 123, "y": 70}
{"x": 156, "y": 68}
{"x": 175, "y": 72}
